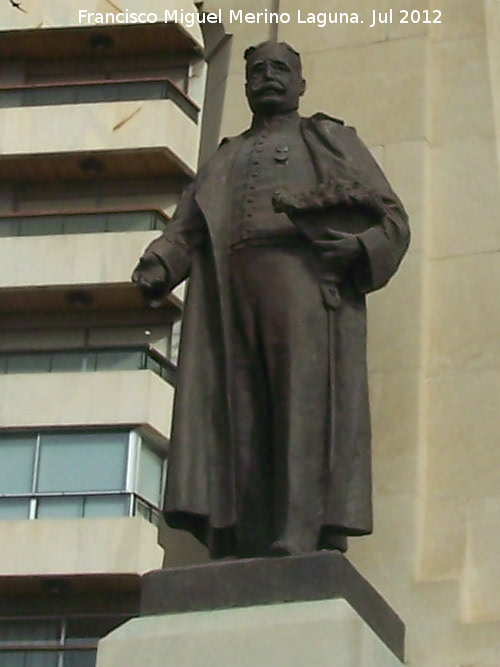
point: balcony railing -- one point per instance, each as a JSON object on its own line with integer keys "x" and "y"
{"x": 84, "y": 361}
{"x": 123, "y": 90}
{"x": 81, "y": 223}
{"x": 76, "y": 505}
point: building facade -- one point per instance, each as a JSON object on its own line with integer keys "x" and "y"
{"x": 101, "y": 125}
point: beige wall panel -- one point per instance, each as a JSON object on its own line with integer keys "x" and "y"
{"x": 311, "y": 38}
{"x": 102, "y": 126}
{"x": 460, "y": 19}
{"x": 406, "y": 165}
{"x": 379, "y": 88}
{"x": 65, "y": 13}
{"x": 114, "y": 398}
{"x": 464, "y": 314}
{"x": 181, "y": 548}
{"x": 465, "y": 198}
{"x": 378, "y": 153}
{"x": 399, "y": 30}
{"x": 444, "y": 538}
{"x": 479, "y": 644}
{"x": 243, "y": 34}
{"x": 123, "y": 545}
{"x": 236, "y": 115}
{"x": 462, "y": 95}
{"x": 493, "y": 42}
{"x": 464, "y": 423}
{"x": 433, "y": 629}
{"x": 391, "y": 548}
{"x": 482, "y": 575}
{"x": 74, "y": 259}
{"x": 395, "y": 320}
{"x": 394, "y": 403}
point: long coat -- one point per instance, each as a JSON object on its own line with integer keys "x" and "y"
{"x": 200, "y": 489}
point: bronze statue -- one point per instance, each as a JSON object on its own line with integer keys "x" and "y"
{"x": 283, "y": 232}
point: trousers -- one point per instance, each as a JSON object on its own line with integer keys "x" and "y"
{"x": 279, "y": 398}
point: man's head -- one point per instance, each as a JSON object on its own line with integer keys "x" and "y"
{"x": 274, "y": 78}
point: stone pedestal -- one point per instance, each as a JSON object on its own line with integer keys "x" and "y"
{"x": 305, "y": 610}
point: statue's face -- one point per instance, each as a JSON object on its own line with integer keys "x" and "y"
{"x": 274, "y": 82}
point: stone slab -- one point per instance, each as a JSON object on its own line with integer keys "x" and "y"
{"x": 264, "y": 581}
{"x": 320, "y": 633}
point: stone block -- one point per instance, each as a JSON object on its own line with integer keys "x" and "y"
{"x": 461, "y": 90}
{"x": 291, "y": 634}
{"x": 394, "y": 404}
{"x": 379, "y": 88}
{"x": 465, "y": 198}
{"x": 464, "y": 318}
{"x": 481, "y": 598}
{"x": 463, "y": 457}
{"x": 443, "y": 539}
{"x": 460, "y": 19}
{"x": 311, "y": 38}
{"x": 395, "y": 320}
{"x": 406, "y": 165}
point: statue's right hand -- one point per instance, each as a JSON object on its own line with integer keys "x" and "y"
{"x": 151, "y": 276}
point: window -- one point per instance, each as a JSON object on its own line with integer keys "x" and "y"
{"x": 53, "y": 642}
{"x": 81, "y": 223}
{"x": 80, "y": 475}
{"x": 96, "y": 92}
{"x": 85, "y": 361}
{"x": 175, "y": 338}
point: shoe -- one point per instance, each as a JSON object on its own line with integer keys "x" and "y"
{"x": 279, "y": 549}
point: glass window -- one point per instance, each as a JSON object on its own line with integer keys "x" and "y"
{"x": 82, "y": 462}
{"x": 79, "y": 658}
{"x": 40, "y": 226}
{"x": 28, "y": 363}
{"x": 79, "y": 475}
{"x": 175, "y": 337}
{"x": 14, "y": 508}
{"x": 29, "y": 631}
{"x": 9, "y": 227}
{"x": 17, "y": 457}
{"x": 102, "y": 506}
{"x": 119, "y": 361}
{"x": 60, "y": 508}
{"x": 150, "y": 475}
{"x": 129, "y": 222}
{"x": 66, "y": 362}
{"x": 29, "y": 658}
{"x": 84, "y": 223}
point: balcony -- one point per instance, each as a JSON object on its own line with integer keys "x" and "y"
{"x": 55, "y": 31}
{"x": 47, "y": 224}
{"x": 118, "y": 398}
{"x": 81, "y": 92}
{"x": 118, "y": 545}
{"x": 126, "y": 140}
{"x": 95, "y": 360}
{"x": 64, "y": 252}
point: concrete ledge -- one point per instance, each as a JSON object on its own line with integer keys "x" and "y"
{"x": 264, "y": 581}
{"x": 319, "y": 633}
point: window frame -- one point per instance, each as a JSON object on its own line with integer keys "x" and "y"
{"x": 136, "y": 440}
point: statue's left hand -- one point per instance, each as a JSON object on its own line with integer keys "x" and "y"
{"x": 339, "y": 251}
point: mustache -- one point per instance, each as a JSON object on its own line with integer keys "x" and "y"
{"x": 275, "y": 86}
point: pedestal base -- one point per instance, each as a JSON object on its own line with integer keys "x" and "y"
{"x": 319, "y": 634}
{"x": 314, "y": 609}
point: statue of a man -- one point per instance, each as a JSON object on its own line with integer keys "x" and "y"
{"x": 283, "y": 232}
